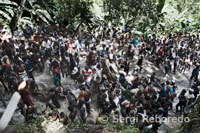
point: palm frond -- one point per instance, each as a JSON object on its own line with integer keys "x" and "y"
{"x": 9, "y": 11}
{"x": 8, "y": 3}
{"x": 44, "y": 15}
{"x": 5, "y": 15}
{"x": 25, "y": 20}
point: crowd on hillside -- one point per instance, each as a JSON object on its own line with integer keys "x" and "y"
{"x": 113, "y": 73}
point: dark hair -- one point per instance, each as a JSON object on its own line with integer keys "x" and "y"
{"x": 62, "y": 115}
{"x": 183, "y": 92}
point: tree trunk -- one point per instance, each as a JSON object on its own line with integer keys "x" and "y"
{"x": 17, "y": 15}
{"x": 79, "y": 25}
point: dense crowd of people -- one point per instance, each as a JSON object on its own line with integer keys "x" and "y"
{"x": 112, "y": 76}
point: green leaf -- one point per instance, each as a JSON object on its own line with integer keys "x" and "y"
{"x": 183, "y": 24}
{"x": 5, "y": 15}
{"x": 8, "y": 3}
{"x": 25, "y": 20}
{"x": 44, "y": 15}
{"x": 160, "y": 5}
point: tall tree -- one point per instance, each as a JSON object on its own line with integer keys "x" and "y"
{"x": 17, "y": 15}
{"x": 74, "y": 12}
{"x": 135, "y": 13}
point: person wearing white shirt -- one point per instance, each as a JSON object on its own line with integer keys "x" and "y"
{"x": 48, "y": 44}
{"x": 44, "y": 43}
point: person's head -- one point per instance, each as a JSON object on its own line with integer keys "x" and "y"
{"x": 163, "y": 84}
{"x": 87, "y": 68}
{"x": 82, "y": 110}
{"x": 118, "y": 91}
{"x": 139, "y": 93}
{"x": 190, "y": 91}
{"x": 104, "y": 96}
{"x": 54, "y": 116}
{"x": 147, "y": 97}
{"x": 83, "y": 87}
{"x": 183, "y": 92}
{"x": 62, "y": 115}
{"x": 107, "y": 103}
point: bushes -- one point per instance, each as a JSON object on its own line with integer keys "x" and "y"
{"x": 32, "y": 126}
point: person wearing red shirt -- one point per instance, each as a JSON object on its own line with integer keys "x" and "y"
{"x": 87, "y": 73}
{"x": 160, "y": 52}
{"x": 25, "y": 94}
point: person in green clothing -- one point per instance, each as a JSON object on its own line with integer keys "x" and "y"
{"x": 127, "y": 95}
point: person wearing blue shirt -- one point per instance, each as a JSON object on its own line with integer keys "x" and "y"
{"x": 124, "y": 28}
{"x": 163, "y": 90}
{"x": 79, "y": 42}
{"x": 56, "y": 80}
{"x": 30, "y": 69}
{"x": 46, "y": 30}
{"x": 62, "y": 51}
{"x": 195, "y": 73}
{"x": 135, "y": 42}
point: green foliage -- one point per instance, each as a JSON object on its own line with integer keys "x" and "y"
{"x": 120, "y": 127}
{"x": 32, "y": 126}
{"x": 196, "y": 111}
{"x": 38, "y": 9}
{"x": 7, "y": 9}
{"x": 74, "y": 12}
{"x": 194, "y": 114}
{"x": 160, "y": 5}
{"x": 139, "y": 15}
{"x": 181, "y": 15}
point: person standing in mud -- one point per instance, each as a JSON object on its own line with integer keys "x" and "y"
{"x": 55, "y": 67}
{"x": 25, "y": 97}
{"x": 64, "y": 68}
{"x": 12, "y": 81}
{"x": 72, "y": 63}
{"x": 139, "y": 63}
{"x": 9, "y": 49}
{"x": 129, "y": 51}
{"x": 73, "y": 115}
{"x": 88, "y": 75}
{"x": 195, "y": 73}
{"x": 182, "y": 101}
{"x": 83, "y": 113}
{"x": 127, "y": 66}
{"x": 5, "y": 65}
{"x": 21, "y": 71}
{"x": 29, "y": 68}
{"x": 167, "y": 66}
{"x": 88, "y": 100}
{"x": 175, "y": 64}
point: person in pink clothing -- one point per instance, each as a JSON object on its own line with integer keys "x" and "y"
{"x": 87, "y": 74}
{"x": 69, "y": 46}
